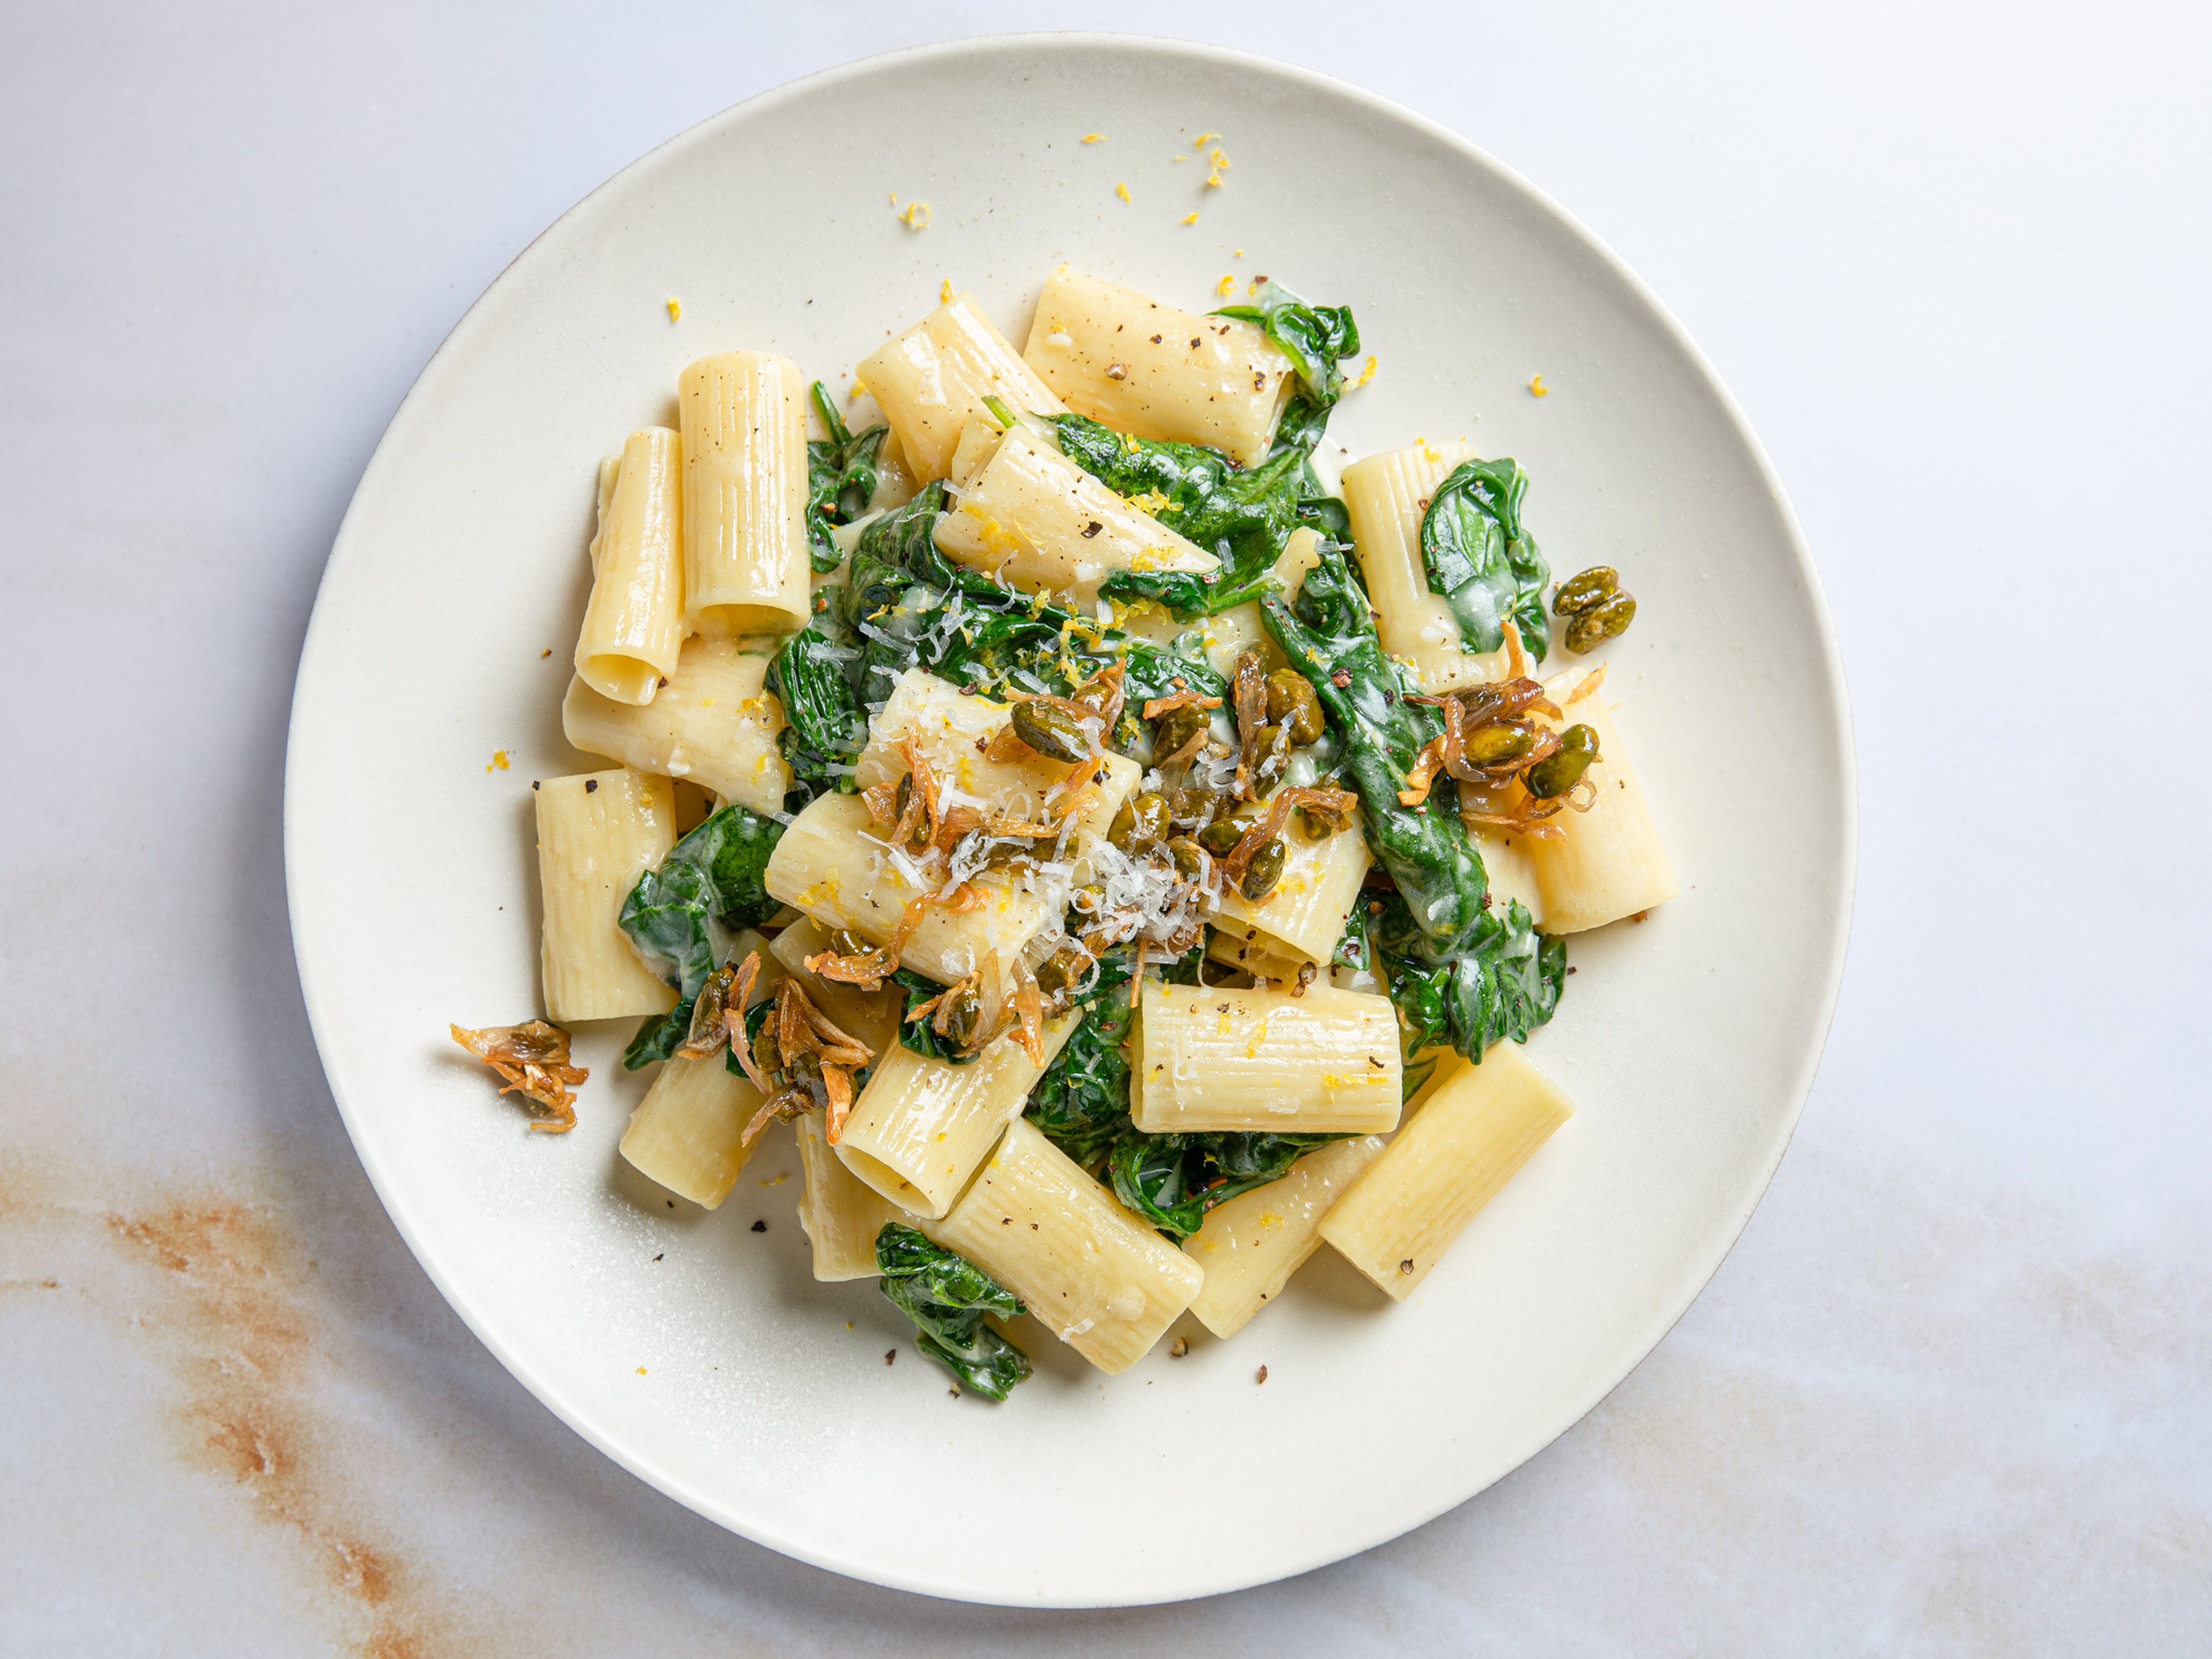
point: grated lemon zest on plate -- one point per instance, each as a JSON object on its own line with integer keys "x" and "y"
{"x": 1121, "y": 190}
{"x": 1537, "y": 388}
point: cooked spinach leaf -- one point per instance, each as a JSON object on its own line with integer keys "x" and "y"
{"x": 825, "y": 730}
{"x": 946, "y": 1296}
{"x": 1504, "y": 983}
{"x": 914, "y": 606}
{"x": 1243, "y": 518}
{"x": 1315, "y": 337}
{"x": 1172, "y": 1181}
{"x": 680, "y": 915}
{"x": 840, "y": 477}
{"x": 1482, "y": 561}
{"x": 1328, "y": 635}
{"x": 1082, "y": 1102}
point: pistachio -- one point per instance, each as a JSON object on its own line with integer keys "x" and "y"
{"x": 1173, "y": 731}
{"x": 1264, "y": 870}
{"x": 1142, "y": 821}
{"x": 1319, "y": 822}
{"x": 1051, "y": 730}
{"x": 1493, "y": 745}
{"x": 1220, "y": 837}
{"x": 1586, "y": 591}
{"x": 1605, "y": 622}
{"x": 1562, "y": 769}
{"x": 1190, "y": 858}
{"x": 962, "y": 1012}
{"x": 1291, "y": 703}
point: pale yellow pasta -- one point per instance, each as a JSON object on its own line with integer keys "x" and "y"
{"x": 745, "y": 567}
{"x": 871, "y": 1016}
{"x": 921, "y": 1125}
{"x": 634, "y": 626}
{"x": 933, "y": 377}
{"x": 1154, "y": 371}
{"x": 1510, "y": 861}
{"x": 948, "y": 724}
{"x": 1304, "y": 917}
{"x": 1029, "y": 517}
{"x": 597, "y": 834}
{"x": 1607, "y": 863}
{"x": 840, "y": 1216}
{"x": 1470, "y": 1137}
{"x": 1386, "y": 495}
{"x": 713, "y": 724}
{"x": 1251, "y": 1245}
{"x": 1252, "y": 956}
{"x": 687, "y": 1132}
{"x": 1216, "y": 1058}
{"x": 831, "y": 864}
{"x": 1093, "y": 1274}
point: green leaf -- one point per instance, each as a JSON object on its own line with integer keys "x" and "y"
{"x": 946, "y": 1297}
{"x": 916, "y": 1034}
{"x": 1505, "y": 983}
{"x": 1481, "y": 559}
{"x": 1172, "y": 1181}
{"x": 677, "y": 915}
{"x": 1082, "y": 1102}
{"x": 1329, "y": 635}
{"x": 824, "y": 731}
{"x": 1316, "y": 338}
{"x": 841, "y": 478}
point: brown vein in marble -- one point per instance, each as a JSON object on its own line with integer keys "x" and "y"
{"x": 216, "y": 1285}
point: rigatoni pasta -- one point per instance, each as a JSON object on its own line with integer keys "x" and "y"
{"x": 1251, "y": 1245}
{"x": 597, "y": 833}
{"x": 1322, "y": 1061}
{"x": 634, "y": 626}
{"x": 744, "y": 429}
{"x": 1469, "y": 1140}
{"x": 713, "y": 723}
{"x": 1100, "y": 1279}
{"x": 1154, "y": 371}
{"x": 922, "y": 1125}
{"x": 931, "y": 378}
{"x": 1027, "y": 514}
{"x": 1102, "y": 859}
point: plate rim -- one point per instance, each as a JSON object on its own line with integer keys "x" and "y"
{"x": 672, "y": 1485}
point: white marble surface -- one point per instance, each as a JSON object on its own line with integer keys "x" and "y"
{"x": 1950, "y": 1393}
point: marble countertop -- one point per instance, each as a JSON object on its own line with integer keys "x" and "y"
{"x": 1950, "y": 1392}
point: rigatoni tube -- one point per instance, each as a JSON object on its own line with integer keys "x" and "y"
{"x": 1386, "y": 495}
{"x": 687, "y": 1132}
{"x": 1251, "y": 1245}
{"x": 1470, "y": 1137}
{"x": 1213, "y": 1058}
{"x": 832, "y": 864}
{"x": 952, "y": 728}
{"x": 921, "y": 1125}
{"x": 1093, "y": 1274}
{"x": 840, "y": 1216}
{"x": 1303, "y": 915}
{"x": 1608, "y": 862}
{"x": 634, "y": 625}
{"x": 597, "y": 834}
{"x": 714, "y": 724}
{"x": 930, "y": 379}
{"x": 1028, "y": 516}
{"x": 745, "y": 567}
{"x": 1154, "y": 371}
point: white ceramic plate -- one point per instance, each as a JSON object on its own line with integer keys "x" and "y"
{"x": 700, "y": 1353}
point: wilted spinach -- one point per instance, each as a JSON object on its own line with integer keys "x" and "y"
{"x": 1482, "y": 561}
{"x": 679, "y": 915}
{"x": 946, "y": 1297}
{"x": 840, "y": 477}
{"x": 1504, "y": 983}
{"x": 1172, "y": 1181}
{"x": 1313, "y": 337}
{"x": 824, "y": 729}
{"x": 1328, "y": 635}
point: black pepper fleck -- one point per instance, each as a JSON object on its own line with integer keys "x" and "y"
{"x": 760, "y": 1226}
{"x": 591, "y": 785}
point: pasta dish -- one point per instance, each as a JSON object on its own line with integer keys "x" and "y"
{"x": 1128, "y": 860}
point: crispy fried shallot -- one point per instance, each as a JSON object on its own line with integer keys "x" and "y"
{"x": 802, "y": 1059}
{"x": 533, "y": 1062}
{"x": 1268, "y": 825}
